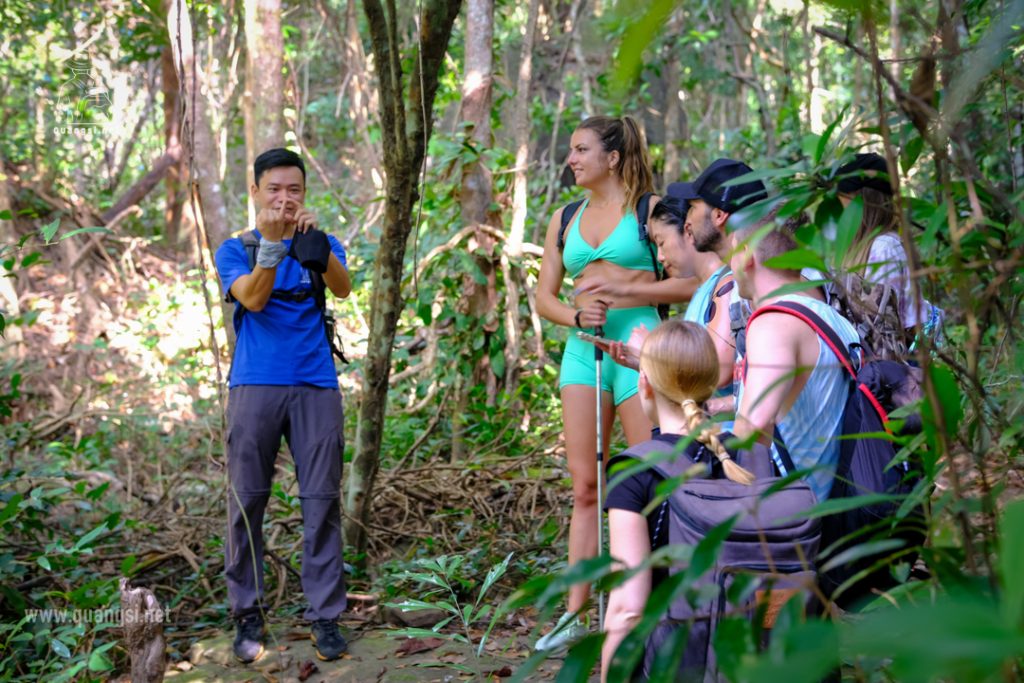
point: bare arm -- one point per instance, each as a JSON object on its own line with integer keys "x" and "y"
{"x": 549, "y": 284}
{"x": 772, "y": 365}
{"x": 669, "y": 291}
{"x": 336, "y": 278}
{"x": 253, "y": 291}
{"x": 629, "y": 542}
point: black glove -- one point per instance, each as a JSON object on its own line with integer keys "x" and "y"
{"x": 311, "y": 249}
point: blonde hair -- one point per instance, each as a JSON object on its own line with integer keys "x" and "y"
{"x": 623, "y": 135}
{"x": 680, "y": 362}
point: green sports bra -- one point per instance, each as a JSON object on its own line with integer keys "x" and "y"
{"x": 623, "y": 247}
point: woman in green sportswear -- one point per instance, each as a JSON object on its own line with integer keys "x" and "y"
{"x": 608, "y": 158}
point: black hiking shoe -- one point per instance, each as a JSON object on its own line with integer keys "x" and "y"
{"x": 327, "y": 639}
{"x": 249, "y": 635}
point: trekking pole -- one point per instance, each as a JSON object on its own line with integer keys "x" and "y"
{"x": 598, "y": 357}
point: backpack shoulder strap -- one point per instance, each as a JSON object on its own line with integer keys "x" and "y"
{"x": 666, "y": 468}
{"x": 251, "y": 244}
{"x": 814, "y": 321}
{"x": 717, "y": 292}
{"x": 568, "y": 211}
{"x": 643, "y": 211}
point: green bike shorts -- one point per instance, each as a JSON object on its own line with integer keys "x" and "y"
{"x": 579, "y": 367}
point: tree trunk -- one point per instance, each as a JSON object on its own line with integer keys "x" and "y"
{"x": 520, "y": 202}
{"x": 480, "y": 298}
{"x": 143, "y": 633}
{"x": 263, "y": 96}
{"x": 206, "y": 157}
{"x": 9, "y": 307}
{"x": 406, "y": 123}
{"x": 173, "y": 212}
{"x": 672, "y": 169}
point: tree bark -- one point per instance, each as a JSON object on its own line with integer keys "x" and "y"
{"x": 513, "y": 252}
{"x": 406, "y": 122}
{"x": 9, "y": 306}
{"x": 173, "y": 211}
{"x": 480, "y": 298}
{"x": 143, "y": 633}
{"x": 263, "y": 97}
{"x": 198, "y": 132}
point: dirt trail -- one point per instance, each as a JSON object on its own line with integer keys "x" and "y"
{"x": 373, "y": 657}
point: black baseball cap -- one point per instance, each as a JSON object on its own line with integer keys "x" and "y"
{"x": 866, "y": 170}
{"x": 681, "y": 192}
{"x": 710, "y": 186}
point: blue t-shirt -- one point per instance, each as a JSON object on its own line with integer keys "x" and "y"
{"x": 284, "y": 344}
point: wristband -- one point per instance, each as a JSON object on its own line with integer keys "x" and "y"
{"x": 271, "y": 253}
{"x": 578, "y": 318}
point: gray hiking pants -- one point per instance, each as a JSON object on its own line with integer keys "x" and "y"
{"x": 311, "y": 421}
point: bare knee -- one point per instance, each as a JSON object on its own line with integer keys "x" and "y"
{"x": 584, "y": 494}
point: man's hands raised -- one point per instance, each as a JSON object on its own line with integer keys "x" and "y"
{"x": 274, "y": 224}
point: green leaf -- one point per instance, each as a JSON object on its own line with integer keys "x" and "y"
{"x": 959, "y": 637}
{"x": 911, "y": 152}
{"x": 30, "y": 259}
{"x": 79, "y": 231}
{"x": 665, "y": 668}
{"x": 6, "y": 215}
{"x": 819, "y": 151}
{"x": 525, "y": 672}
{"x": 863, "y": 550}
{"x": 797, "y": 259}
{"x": 1011, "y": 563}
{"x": 581, "y": 659}
{"x": 98, "y": 661}
{"x": 846, "y": 229}
{"x": 638, "y": 35}
{"x": 84, "y": 541}
{"x": 60, "y": 648}
{"x": 49, "y": 230}
{"x": 947, "y": 391}
{"x": 706, "y": 552}
{"x": 43, "y": 562}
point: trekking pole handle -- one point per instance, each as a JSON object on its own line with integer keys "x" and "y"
{"x": 598, "y": 353}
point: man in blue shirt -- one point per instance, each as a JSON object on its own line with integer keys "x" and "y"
{"x": 283, "y": 383}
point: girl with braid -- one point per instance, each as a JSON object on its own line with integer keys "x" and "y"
{"x": 678, "y": 374}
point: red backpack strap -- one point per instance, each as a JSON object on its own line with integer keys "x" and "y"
{"x": 814, "y": 321}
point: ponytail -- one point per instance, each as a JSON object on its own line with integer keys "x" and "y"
{"x": 635, "y": 165}
{"x": 696, "y": 420}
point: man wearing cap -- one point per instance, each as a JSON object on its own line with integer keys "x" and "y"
{"x": 706, "y": 205}
{"x": 283, "y": 383}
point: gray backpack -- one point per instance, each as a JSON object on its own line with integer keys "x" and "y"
{"x": 769, "y": 539}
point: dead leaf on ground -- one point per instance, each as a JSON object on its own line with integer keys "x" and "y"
{"x": 412, "y": 646}
{"x": 503, "y": 672}
{"x": 307, "y": 669}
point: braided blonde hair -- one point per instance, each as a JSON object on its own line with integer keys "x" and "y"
{"x": 680, "y": 362}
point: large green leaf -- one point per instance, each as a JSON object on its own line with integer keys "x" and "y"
{"x": 1011, "y": 563}
{"x": 581, "y": 659}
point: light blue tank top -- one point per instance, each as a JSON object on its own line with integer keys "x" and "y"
{"x": 811, "y": 426}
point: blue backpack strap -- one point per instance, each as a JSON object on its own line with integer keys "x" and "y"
{"x": 568, "y": 211}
